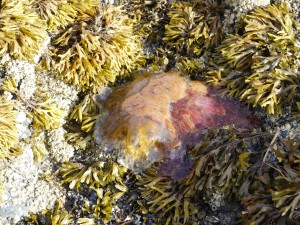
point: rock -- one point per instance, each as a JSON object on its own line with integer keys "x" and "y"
{"x": 157, "y": 117}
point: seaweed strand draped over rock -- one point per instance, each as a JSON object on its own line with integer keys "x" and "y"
{"x": 158, "y": 116}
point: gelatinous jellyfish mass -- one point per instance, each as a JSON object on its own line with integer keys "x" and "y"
{"x": 157, "y": 117}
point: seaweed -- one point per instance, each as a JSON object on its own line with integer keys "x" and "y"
{"x": 192, "y": 31}
{"x": 63, "y": 12}
{"x": 22, "y": 31}
{"x": 166, "y": 199}
{"x": 9, "y": 136}
{"x": 194, "y": 27}
{"x": 261, "y": 170}
{"x": 279, "y": 201}
{"x": 86, "y": 113}
{"x": 95, "y": 50}
{"x": 37, "y": 142}
{"x": 81, "y": 122}
{"x": 57, "y": 216}
{"x": 105, "y": 179}
{"x": 43, "y": 110}
{"x": 221, "y": 164}
{"x": 260, "y": 66}
{"x": 149, "y": 18}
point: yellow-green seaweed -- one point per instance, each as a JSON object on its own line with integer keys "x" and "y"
{"x": 194, "y": 26}
{"x": 178, "y": 33}
{"x": 9, "y": 136}
{"x": 60, "y": 13}
{"x": 261, "y": 66}
{"x": 22, "y": 32}
{"x": 43, "y": 110}
{"x": 95, "y": 50}
{"x": 103, "y": 178}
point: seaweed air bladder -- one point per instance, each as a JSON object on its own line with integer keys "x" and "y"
{"x": 158, "y": 116}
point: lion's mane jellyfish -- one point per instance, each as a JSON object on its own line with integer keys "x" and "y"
{"x": 157, "y": 117}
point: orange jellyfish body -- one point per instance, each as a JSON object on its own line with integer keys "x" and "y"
{"x": 157, "y": 117}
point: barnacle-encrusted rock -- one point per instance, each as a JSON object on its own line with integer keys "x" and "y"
{"x": 157, "y": 116}
{"x": 22, "y": 32}
{"x": 261, "y": 65}
{"x": 95, "y": 50}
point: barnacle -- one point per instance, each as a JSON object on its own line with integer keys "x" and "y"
{"x": 45, "y": 114}
{"x": 261, "y": 66}
{"x": 63, "y": 12}
{"x": 95, "y": 50}
{"x": 9, "y": 136}
{"x": 22, "y": 31}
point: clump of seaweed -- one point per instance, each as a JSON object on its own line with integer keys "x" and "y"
{"x": 9, "y": 136}
{"x": 193, "y": 31}
{"x": 57, "y": 216}
{"x": 86, "y": 113}
{"x": 279, "y": 200}
{"x": 260, "y": 66}
{"x": 105, "y": 179}
{"x": 222, "y": 160}
{"x": 194, "y": 27}
{"x": 261, "y": 170}
{"x": 165, "y": 198}
{"x": 63, "y": 12}
{"x": 179, "y": 33}
{"x": 95, "y": 50}
{"x": 82, "y": 121}
{"x": 37, "y": 142}
{"x": 43, "y": 111}
{"x": 96, "y": 175}
{"x": 22, "y": 31}
{"x": 221, "y": 165}
{"x": 149, "y": 18}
